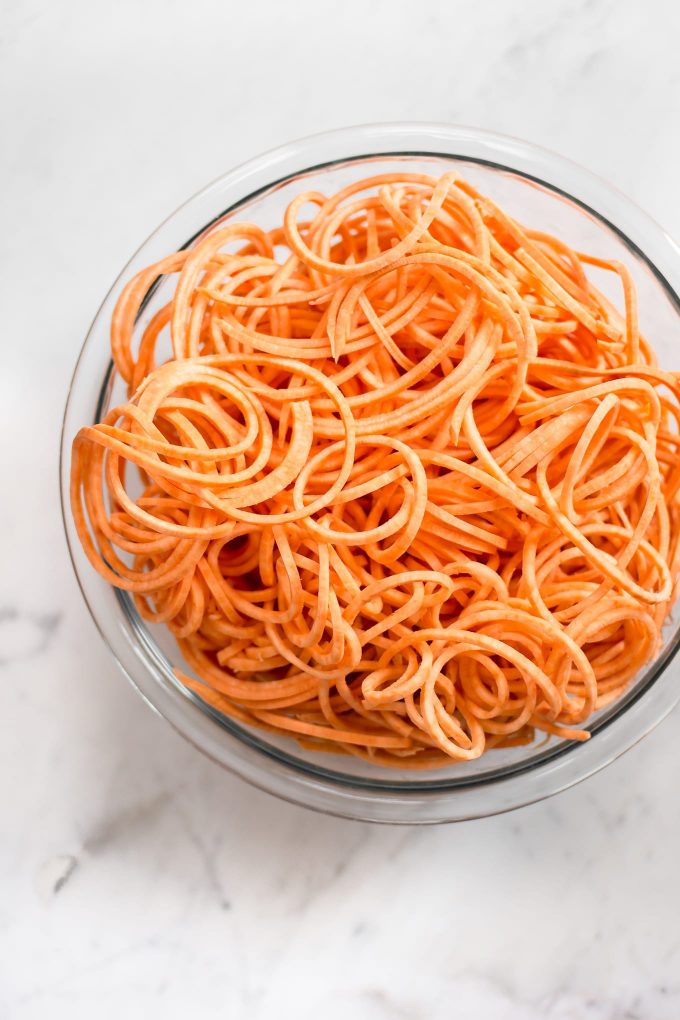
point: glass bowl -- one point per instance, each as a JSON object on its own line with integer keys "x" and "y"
{"x": 540, "y": 189}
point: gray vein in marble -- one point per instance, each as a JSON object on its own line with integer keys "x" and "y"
{"x": 54, "y": 873}
{"x": 389, "y": 1007}
{"x": 24, "y": 635}
{"x": 123, "y": 823}
{"x": 208, "y": 855}
{"x": 317, "y": 884}
{"x": 409, "y": 838}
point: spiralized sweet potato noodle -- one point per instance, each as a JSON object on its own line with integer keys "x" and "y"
{"x": 409, "y": 490}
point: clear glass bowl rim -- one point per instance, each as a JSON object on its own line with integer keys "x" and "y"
{"x": 330, "y": 791}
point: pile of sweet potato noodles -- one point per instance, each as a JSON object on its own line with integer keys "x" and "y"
{"x": 409, "y": 481}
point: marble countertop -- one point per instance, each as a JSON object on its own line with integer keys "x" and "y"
{"x": 136, "y": 878}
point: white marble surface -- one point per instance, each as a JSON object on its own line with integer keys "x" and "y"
{"x": 136, "y": 879}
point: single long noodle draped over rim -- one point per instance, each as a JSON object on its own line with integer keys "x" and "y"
{"x": 409, "y": 481}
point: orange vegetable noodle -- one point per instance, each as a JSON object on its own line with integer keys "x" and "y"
{"x": 406, "y": 489}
